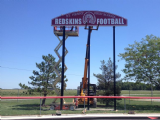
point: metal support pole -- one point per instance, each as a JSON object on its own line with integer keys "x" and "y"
{"x": 129, "y": 96}
{"x": 151, "y": 92}
{"x": 129, "y": 90}
{"x": 84, "y": 105}
{"x": 114, "y": 69}
{"x": 125, "y": 105}
{"x": 89, "y": 33}
{"x": 62, "y": 75}
{"x": 40, "y": 106}
{"x": 18, "y": 95}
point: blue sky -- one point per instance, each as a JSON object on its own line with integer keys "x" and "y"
{"x": 26, "y": 34}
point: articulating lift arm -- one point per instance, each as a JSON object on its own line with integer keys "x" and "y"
{"x": 85, "y": 79}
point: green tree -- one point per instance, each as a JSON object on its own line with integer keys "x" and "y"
{"x": 106, "y": 81}
{"x": 143, "y": 61}
{"x": 42, "y": 80}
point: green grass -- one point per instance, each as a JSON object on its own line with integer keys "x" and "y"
{"x": 140, "y": 92}
{"x": 32, "y": 107}
{"x": 15, "y": 92}
{"x": 139, "y": 105}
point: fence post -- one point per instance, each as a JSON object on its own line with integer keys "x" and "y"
{"x": 84, "y": 105}
{"x": 125, "y": 105}
{"x": 151, "y": 93}
{"x": 129, "y": 95}
{"x": 18, "y": 95}
{"x": 40, "y": 105}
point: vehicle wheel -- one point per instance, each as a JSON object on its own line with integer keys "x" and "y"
{"x": 76, "y": 102}
{"x": 52, "y": 108}
{"x": 94, "y": 102}
{"x": 72, "y": 107}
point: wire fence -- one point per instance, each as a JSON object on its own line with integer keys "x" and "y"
{"x": 124, "y": 104}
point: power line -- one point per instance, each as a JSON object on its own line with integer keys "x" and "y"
{"x": 15, "y": 68}
{"x": 32, "y": 70}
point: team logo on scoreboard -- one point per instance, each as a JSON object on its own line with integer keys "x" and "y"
{"x": 89, "y": 17}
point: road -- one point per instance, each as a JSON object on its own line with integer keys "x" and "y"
{"x": 87, "y": 117}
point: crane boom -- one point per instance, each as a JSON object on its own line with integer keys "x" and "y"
{"x": 87, "y": 89}
{"x": 85, "y": 75}
{"x": 85, "y": 79}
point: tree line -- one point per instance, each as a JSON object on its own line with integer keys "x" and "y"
{"x": 136, "y": 86}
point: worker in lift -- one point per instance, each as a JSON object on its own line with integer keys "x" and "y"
{"x": 61, "y": 28}
{"x": 72, "y": 28}
{"x": 75, "y": 28}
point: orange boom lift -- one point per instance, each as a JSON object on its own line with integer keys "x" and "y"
{"x": 85, "y": 88}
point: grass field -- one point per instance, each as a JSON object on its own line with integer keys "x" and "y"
{"x": 140, "y": 92}
{"x": 15, "y": 92}
{"x": 32, "y": 107}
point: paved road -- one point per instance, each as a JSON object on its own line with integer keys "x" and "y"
{"x": 97, "y": 118}
{"x": 87, "y": 117}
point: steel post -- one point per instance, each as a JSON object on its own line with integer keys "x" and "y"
{"x": 84, "y": 105}
{"x": 89, "y": 35}
{"x": 63, "y": 61}
{"x": 18, "y": 95}
{"x": 114, "y": 69}
{"x": 125, "y": 105}
{"x": 40, "y": 105}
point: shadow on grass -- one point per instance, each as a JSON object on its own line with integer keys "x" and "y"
{"x": 26, "y": 107}
{"x": 139, "y": 107}
{"x": 119, "y": 107}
